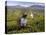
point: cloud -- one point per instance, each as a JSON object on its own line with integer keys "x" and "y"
{"x": 41, "y": 1}
{"x": 26, "y": 4}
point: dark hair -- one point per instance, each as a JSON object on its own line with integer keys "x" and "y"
{"x": 24, "y": 16}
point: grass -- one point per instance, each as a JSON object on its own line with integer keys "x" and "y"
{"x": 33, "y": 25}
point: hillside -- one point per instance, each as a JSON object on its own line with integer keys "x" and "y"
{"x": 35, "y": 24}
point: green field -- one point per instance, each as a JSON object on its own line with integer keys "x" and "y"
{"x": 35, "y": 24}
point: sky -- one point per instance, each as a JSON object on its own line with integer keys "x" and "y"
{"x": 28, "y": 0}
{"x": 14, "y": 3}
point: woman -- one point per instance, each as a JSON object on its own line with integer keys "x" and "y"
{"x": 23, "y": 21}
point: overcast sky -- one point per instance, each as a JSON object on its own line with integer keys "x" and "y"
{"x": 14, "y": 3}
{"x": 28, "y": 0}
